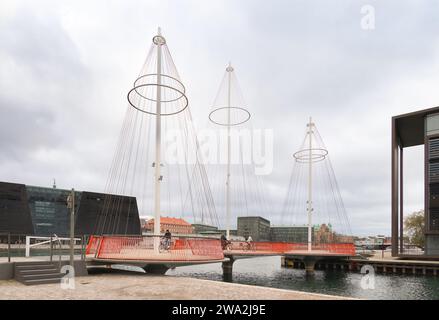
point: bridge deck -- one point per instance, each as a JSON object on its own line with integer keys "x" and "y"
{"x": 92, "y": 261}
{"x": 193, "y": 250}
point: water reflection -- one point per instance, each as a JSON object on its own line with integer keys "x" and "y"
{"x": 268, "y": 272}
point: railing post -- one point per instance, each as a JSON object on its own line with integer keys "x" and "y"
{"x": 27, "y": 246}
{"x": 98, "y": 249}
{"x": 51, "y": 249}
{"x": 9, "y": 247}
{"x": 59, "y": 253}
{"x": 83, "y": 241}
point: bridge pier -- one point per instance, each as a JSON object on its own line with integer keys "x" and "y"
{"x": 228, "y": 269}
{"x": 310, "y": 263}
{"x": 156, "y": 268}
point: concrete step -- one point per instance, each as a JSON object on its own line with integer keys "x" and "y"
{"x": 39, "y": 271}
{"x": 33, "y": 263}
{"x": 56, "y": 275}
{"x": 41, "y": 281}
{"x": 35, "y": 267}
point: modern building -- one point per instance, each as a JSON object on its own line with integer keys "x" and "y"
{"x": 174, "y": 225}
{"x": 298, "y": 234}
{"x": 408, "y": 130}
{"x": 256, "y": 227}
{"x": 30, "y": 210}
{"x": 204, "y": 228}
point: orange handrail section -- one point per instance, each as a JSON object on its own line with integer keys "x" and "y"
{"x": 142, "y": 248}
{"x": 92, "y": 245}
{"x": 290, "y": 247}
{"x": 151, "y": 248}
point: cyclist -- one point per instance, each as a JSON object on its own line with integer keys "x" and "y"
{"x": 249, "y": 242}
{"x": 167, "y": 239}
{"x": 224, "y": 242}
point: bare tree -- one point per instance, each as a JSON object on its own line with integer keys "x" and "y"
{"x": 414, "y": 225}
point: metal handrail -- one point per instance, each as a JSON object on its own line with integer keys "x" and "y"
{"x": 60, "y": 249}
{"x": 50, "y": 239}
{"x": 56, "y": 244}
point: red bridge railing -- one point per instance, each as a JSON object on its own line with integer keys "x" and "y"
{"x": 154, "y": 248}
{"x": 92, "y": 245}
{"x": 289, "y": 247}
{"x": 195, "y": 249}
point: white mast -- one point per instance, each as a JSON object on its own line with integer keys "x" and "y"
{"x": 229, "y": 70}
{"x": 240, "y": 116}
{"x": 159, "y": 41}
{"x": 310, "y": 125}
{"x": 145, "y": 99}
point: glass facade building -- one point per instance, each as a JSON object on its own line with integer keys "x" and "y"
{"x": 48, "y": 209}
{"x": 40, "y": 211}
{"x": 297, "y": 234}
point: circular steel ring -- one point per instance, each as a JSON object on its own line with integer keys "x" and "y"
{"x": 159, "y": 40}
{"x": 160, "y": 85}
{"x": 135, "y": 85}
{"x": 232, "y": 124}
{"x": 317, "y": 155}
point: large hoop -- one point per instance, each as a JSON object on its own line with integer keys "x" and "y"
{"x": 181, "y": 90}
{"x": 317, "y": 155}
{"x": 239, "y": 109}
{"x": 135, "y": 91}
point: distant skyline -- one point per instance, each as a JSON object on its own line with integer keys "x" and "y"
{"x": 66, "y": 67}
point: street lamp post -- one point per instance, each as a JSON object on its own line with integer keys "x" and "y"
{"x": 71, "y": 206}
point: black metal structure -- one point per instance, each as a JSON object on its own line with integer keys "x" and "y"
{"x": 15, "y": 214}
{"x": 412, "y": 129}
{"x": 42, "y": 211}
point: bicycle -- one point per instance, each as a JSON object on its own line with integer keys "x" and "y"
{"x": 227, "y": 245}
{"x": 249, "y": 246}
{"x": 165, "y": 244}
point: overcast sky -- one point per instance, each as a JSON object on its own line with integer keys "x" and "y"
{"x": 66, "y": 66}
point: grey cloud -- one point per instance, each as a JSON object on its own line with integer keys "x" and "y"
{"x": 293, "y": 59}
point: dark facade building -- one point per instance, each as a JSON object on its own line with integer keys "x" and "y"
{"x": 256, "y": 227}
{"x": 15, "y": 214}
{"x": 289, "y": 234}
{"x": 413, "y": 129}
{"x": 42, "y": 211}
{"x": 204, "y": 228}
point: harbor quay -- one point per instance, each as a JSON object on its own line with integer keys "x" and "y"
{"x": 315, "y": 178}
{"x": 385, "y": 266}
{"x": 140, "y": 286}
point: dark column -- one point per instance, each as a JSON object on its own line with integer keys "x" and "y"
{"x": 401, "y": 201}
{"x": 228, "y": 269}
{"x": 426, "y": 190}
{"x": 395, "y": 165}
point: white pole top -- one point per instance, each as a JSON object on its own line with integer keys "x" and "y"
{"x": 229, "y": 67}
{"x": 159, "y": 39}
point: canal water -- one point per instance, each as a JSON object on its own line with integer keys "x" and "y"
{"x": 267, "y": 272}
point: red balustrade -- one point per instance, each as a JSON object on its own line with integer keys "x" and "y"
{"x": 153, "y": 248}
{"x": 196, "y": 249}
{"x": 92, "y": 245}
{"x": 289, "y": 247}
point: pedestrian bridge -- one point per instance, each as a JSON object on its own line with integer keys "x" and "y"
{"x": 144, "y": 251}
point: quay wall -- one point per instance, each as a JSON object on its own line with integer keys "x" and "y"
{"x": 422, "y": 267}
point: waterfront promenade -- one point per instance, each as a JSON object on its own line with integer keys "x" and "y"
{"x": 133, "y": 286}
